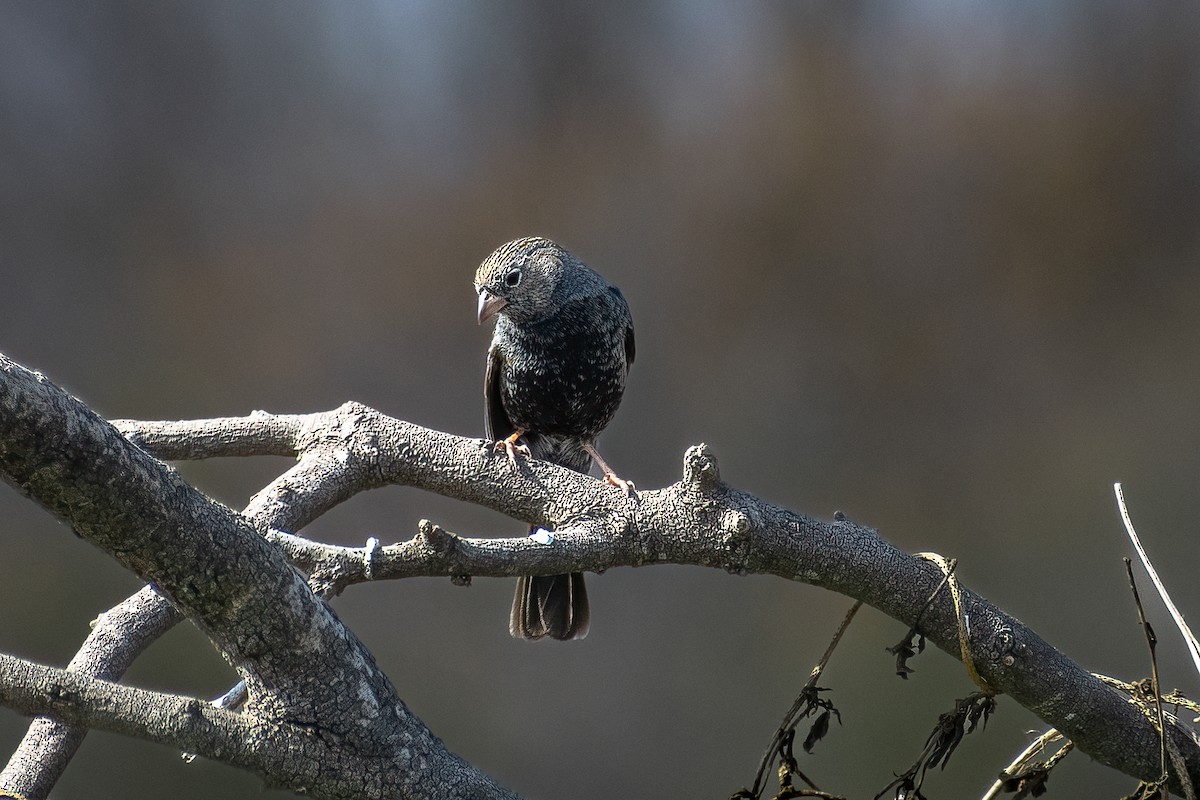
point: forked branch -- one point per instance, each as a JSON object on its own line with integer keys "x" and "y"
{"x": 297, "y": 658}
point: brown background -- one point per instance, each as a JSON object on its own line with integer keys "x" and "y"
{"x": 934, "y": 264}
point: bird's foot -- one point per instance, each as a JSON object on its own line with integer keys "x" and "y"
{"x": 626, "y": 486}
{"x": 610, "y": 477}
{"x": 512, "y": 447}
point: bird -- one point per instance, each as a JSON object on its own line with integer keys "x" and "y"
{"x": 556, "y": 367}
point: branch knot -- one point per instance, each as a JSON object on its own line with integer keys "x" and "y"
{"x": 436, "y": 538}
{"x": 700, "y": 470}
{"x": 737, "y": 525}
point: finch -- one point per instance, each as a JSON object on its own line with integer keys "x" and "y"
{"x": 555, "y": 374}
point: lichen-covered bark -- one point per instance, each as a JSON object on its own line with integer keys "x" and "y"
{"x": 117, "y": 638}
{"x": 220, "y": 571}
{"x": 302, "y": 666}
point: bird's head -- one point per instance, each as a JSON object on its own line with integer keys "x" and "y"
{"x": 521, "y": 279}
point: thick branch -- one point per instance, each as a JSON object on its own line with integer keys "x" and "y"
{"x": 154, "y": 716}
{"x": 301, "y": 664}
{"x": 117, "y": 638}
{"x": 301, "y": 755}
{"x": 702, "y": 521}
{"x": 697, "y": 521}
{"x": 291, "y": 501}
{"x": 125, "y": 502}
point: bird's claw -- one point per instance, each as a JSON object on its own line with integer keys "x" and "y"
{"x": 626, "y": 486}
{"x": 511, "y": 446}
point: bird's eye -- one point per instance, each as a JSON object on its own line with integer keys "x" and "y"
{"x": 512, "y": 278}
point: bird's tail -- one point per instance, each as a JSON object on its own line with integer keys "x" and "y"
{"x": 550, "y": 605}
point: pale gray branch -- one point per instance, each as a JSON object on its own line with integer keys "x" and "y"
{"x": 702, "y": 521}
{"x": 260, "y": 434}
{"x": 155, "y": 716}
{"x": 302, "y": 666}
{"x": 118, "y": 636}
{"x": 296, "y": 756}
{"x": 699, "y": 520}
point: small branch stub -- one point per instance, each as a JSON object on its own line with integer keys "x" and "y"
{"x": 737, "y": 526}
{"x": 699, "y": 521}
{"x": 700, "y": 470}
{"x": 436, "y": 538}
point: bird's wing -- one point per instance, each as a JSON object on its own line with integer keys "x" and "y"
{"x": 630, "y": 349}
{"x": 496, "y": 422}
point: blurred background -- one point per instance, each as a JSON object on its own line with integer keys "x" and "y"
{"x": 934, "y": 264}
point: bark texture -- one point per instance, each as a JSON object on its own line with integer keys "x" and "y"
{"x": 321, "y": 717}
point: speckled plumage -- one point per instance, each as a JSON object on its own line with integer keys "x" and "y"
{"x": 556, "y": 372}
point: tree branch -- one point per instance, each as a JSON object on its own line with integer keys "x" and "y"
{"x": 118, "y": 637}
{"x": 291, "y": 501}
{"x": 700, "y": 521}
{"x": 301, "y": 665}
{"x": 183, "y": 722}
{"x": 243, "y": 740}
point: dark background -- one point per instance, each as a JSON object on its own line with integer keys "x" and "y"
{"x": 934, "y": 264}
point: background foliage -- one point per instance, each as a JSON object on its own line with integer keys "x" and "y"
{"x": 933, "y": 264}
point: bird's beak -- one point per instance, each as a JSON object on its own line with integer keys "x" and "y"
{"x": 489, "y": 304}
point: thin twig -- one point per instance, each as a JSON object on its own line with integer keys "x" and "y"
{"x": 903, "y": 650}
{"x": 1190, "y": 638}
{"x": 802, "y": 703}
{"x": 1166, "y": 743}
{"x": 1026, "y": 755}
{"x": 1151, "y": 643}
{"x": 942, "y": 742}
{"x": 947, "y": 571}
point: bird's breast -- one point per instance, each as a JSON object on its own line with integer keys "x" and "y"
{"x": 563, "y": 381}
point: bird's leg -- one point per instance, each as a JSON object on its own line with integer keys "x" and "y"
{"x": 512, "y": 447}
{"x": 609, "y": 475}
